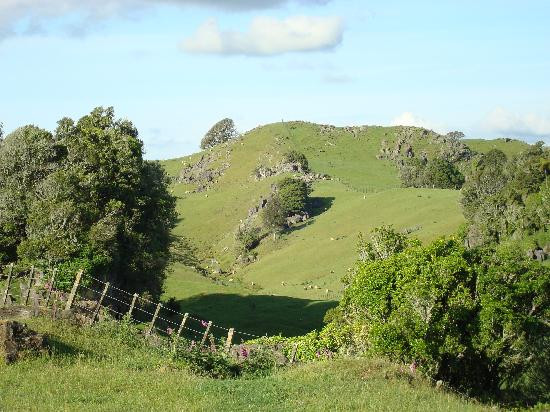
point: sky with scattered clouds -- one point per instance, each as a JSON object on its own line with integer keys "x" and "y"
{"x": 175, "y": 67}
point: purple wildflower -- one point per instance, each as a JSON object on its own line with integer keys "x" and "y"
{"x": 169, "y": 330}
{"x": 244, "y": 352}
{"x": 204, "y": 323}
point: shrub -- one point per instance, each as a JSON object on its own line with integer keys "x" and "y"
{"x": 292, "y": 194}
{"x": 477, "y": 319}
{"x": 221, "y": 132}
{"x": 442, "y": 174}
{"x": 296, "y": 157}
{"x": 274, "y": 214}
{"x": 205, "y": 362}
{"x": 247, "y": 237}
{"x": 259, "y": 362}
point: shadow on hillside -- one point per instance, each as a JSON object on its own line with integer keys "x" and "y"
{"x": 258, "y": 314}
{"x": 318, "y": 205}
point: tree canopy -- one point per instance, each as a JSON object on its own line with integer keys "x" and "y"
{"x": 221, "y": 132}
{"x": 84, "y": 197}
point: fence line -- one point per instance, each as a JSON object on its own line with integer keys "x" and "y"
{"x": 109, "y": 298}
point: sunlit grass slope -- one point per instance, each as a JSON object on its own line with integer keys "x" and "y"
{"x": 95, "y": 369}
{"x": 306, "y": 264}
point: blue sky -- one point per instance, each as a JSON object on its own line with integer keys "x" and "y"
{"x": 175, "y": 67}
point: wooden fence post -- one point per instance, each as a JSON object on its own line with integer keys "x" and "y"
{"x": 134, "y": 298}
{"x": 293, "y": 354}
{"x": 229, "y": 339}
{"x": 182, "y": 324}
{"x": 7, "y": 291}
{"x": 29, "y": 286}
{"x": 52, "y": 283}
{"x": 35, "y": 305}
{"x": 98, "y": 306}
{"x": 152, "y": 325}
{"x": 206, "y": 332}
{"x": 73, "y": 290}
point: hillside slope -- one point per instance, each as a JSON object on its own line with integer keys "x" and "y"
{"x": 295, "y": 277}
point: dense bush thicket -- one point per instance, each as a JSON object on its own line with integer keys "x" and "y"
{"x": 507, "y": 198}
{"x": 84, "y": 197}
{"x": 290, "y": 197}
{"x": 221, "y": 132}
{"x": 295, "y": 157}
{"x": 436, "y": 173}
{"x": 475, "y": 318}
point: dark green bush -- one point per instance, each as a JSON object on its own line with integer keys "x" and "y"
{"x": 292, "y": 194}
{"x": 442, "y": 174}
{"x": 477, "y": 319}
{"x": 274, "y": 215}
{"x": 297, "y": 158}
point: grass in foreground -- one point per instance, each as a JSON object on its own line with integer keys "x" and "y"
{"x": 95, "y": 369}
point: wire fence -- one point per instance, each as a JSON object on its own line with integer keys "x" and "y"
{"x": 95, "y": 298}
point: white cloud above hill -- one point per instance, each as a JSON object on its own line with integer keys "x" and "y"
{"x": 506, "y": 123}
{"x": 36, "y": 12}
{"x": 410, "y": 119}
{"x": 268, "y": 36}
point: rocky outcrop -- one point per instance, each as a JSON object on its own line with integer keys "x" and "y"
{"x": 17, "y": 340}
{"x": 206, "y": 172}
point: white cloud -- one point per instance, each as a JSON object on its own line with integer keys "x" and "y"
{"x": 268, "y": 36}
{"x": 530, "y": 125}
{"x": 410, "y": 119}
{"x": 35, "y": 12}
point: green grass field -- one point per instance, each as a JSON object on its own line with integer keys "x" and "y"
{"x": 297, "y": 277}
{"x": 95, "y": 369}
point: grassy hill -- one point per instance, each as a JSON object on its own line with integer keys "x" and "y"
{"x": 98, "y": 369}
{"x": 297, "y": 277}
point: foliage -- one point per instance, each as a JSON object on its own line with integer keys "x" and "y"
{"x": 477, "y": 319}
{"x": 247, "y": 237}
{"x": 442, "y": 174}
{"x": 296, "y": 157}
{"x": 274, "y": 215}
{"x": 436, "y": 173}
{"x": 384, "y": 242}
{"x": 290, "y": 197}
{"x": 503, "y": 198}
{"x": 85, "y": 197}
{"x": 292, "y": 194}
{"x": 205, "y": 362}
{"x": 221, "y": 132}
{"x": 258, "y": 363}
{"x": 411, "y": 172}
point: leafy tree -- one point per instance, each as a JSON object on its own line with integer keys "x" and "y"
{"x": 87, "y": 199}
{"x": 296, "y": 157}
{"x": 292, "y": 194}
{"x": 442, "y": 174}
{"x": 221, "y": 132}
{"x": 500, "y": 197}
{"x": 411, "y": 172}
{"x": 486, "y": 179}
{"x": 274, "y": 215}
